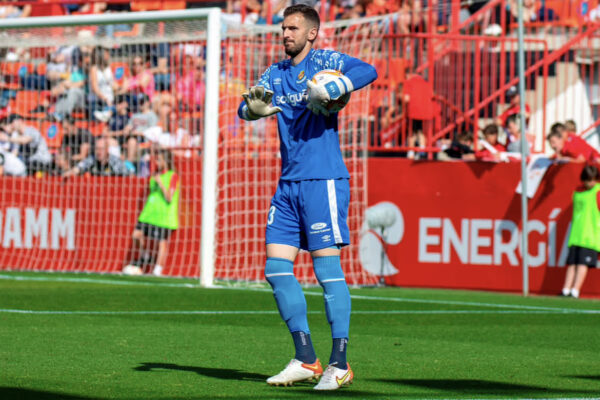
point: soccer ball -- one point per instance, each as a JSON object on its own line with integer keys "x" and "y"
{"x": 328, "y": 75}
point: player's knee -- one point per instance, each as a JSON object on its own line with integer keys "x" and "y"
{"x": 137, "y": 234}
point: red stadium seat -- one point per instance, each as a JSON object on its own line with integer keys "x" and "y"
{"x": 53, "y": 133}
{"x": 26, "y": 101}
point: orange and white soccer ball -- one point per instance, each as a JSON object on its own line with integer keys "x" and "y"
{"x": 328, "y": 75}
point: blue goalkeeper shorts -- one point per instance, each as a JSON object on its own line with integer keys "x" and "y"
{"x": 310, "y": 214}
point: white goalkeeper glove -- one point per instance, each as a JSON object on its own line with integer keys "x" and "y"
{"x": 258, "y": 103}
{"x": 321, "y": 94}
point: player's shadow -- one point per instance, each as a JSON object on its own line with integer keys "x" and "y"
{"x": 218, "y": 373}
{"x": 481, "y": 387}
{"x": 31, "y": 394}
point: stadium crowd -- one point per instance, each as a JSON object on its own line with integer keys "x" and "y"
{"x": 72, "y": 106}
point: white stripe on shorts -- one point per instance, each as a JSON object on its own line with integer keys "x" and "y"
{"x": 333, "y": 211}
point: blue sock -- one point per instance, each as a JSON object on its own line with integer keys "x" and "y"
{"x": 328, "y": 271}
{"x": 305, "y": 351}
{"x": 291, "y": 303}
{"x": 338, "y": 353}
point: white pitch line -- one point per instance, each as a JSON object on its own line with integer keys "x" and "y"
{"x": 308, "y": 293}
{"x": 263, "y": 312}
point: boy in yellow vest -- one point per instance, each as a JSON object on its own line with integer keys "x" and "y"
{"x": 160, "y": 215}
{"x": 584, "y": 240}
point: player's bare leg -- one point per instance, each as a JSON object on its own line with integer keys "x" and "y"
{"x": 569, "y": 279}
{"x": 161, "y": 257}
{"x": 292, "y": 308}
{"x": 580, "y": 274}
{"x": 138, "y": 248}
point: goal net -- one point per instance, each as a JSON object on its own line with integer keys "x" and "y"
{"x": 57, "y": 111}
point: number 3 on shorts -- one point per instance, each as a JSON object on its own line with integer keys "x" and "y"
{"x": 271, "y": 215}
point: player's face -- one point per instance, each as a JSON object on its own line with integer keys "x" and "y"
{"x": 491, "y": 138}
{"x": 297, "y": 34}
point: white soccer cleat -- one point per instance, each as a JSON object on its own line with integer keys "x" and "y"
{"x": 296, "y": 371}
{"x": 132, "y": 270}
{"x": 334, "y": 378}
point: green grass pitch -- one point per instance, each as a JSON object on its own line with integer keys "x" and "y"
{"x": 75, "y": 336}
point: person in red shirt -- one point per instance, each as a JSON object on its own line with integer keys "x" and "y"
{"x": 571, "y": 147}
{"x": 492, "y": 149}
{"x": 514, "y": 107}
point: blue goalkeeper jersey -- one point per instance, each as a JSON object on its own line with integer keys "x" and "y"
{"x": 309, "y": 143}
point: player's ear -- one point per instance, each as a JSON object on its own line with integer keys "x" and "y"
{"x": 312, "y": 33}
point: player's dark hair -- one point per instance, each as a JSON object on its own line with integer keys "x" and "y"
{"x": 589, "y": 173}
{"x": 491, "y": 129}
{"x": 570, "y": 125}
{"x": 309, "y": 13}
{"x": 555, "y": 134}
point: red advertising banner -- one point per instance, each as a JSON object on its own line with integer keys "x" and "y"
{"x": 458, "y": 225}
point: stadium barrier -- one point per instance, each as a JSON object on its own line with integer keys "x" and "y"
{"x": 459, "y": 226}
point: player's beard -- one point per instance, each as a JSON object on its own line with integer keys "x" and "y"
{"x": 295, "y": 49}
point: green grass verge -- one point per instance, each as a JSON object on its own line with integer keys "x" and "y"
{"x": 404, "y": 344}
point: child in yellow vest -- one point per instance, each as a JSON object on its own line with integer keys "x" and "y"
{"x": 584, "y": 240}
{"x": 160, "y": 215}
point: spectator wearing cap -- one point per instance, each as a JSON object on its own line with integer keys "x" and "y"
{"x": 573, "y": 148}
{"x": 77, "y": 144}
{"x": 32, "y": 147}
{"x": 100, "y": 163}
{"x": 514, "y": 107}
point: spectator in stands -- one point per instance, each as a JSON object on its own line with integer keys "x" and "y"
{"x": 117, "y": 29}
{"x": 102, "y": 85}
{"x": 7, "y": 10}
{"x": 350, "y": 9}
{"x": 275, "y": 7}
{"x": 160, "y": 59}
{"x": 570, "y": 128}
{"x": 461, "y": 148}
{"x": 117, "y": 127}
{"x": 71, "y": 91}
{"x": 32, "y": 148}
{"x": 77, "y": 144}
{"x": 138, "y": 125}
{"x": 10, "y": 164}
{"x": 514, "y": 107}
{"x": 141, "y": 81}
{"x": 159, "y": 217}
{"x": 573, "y": 148}
{"x": 513, "y": 128}
{"x": 584, "y": 239}
{"x": 190, "y": 87}
{"x": 101, "y": 163}
{"x": 491, "y": 148}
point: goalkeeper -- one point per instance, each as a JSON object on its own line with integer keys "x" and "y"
{"x": 310, "y": 206}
